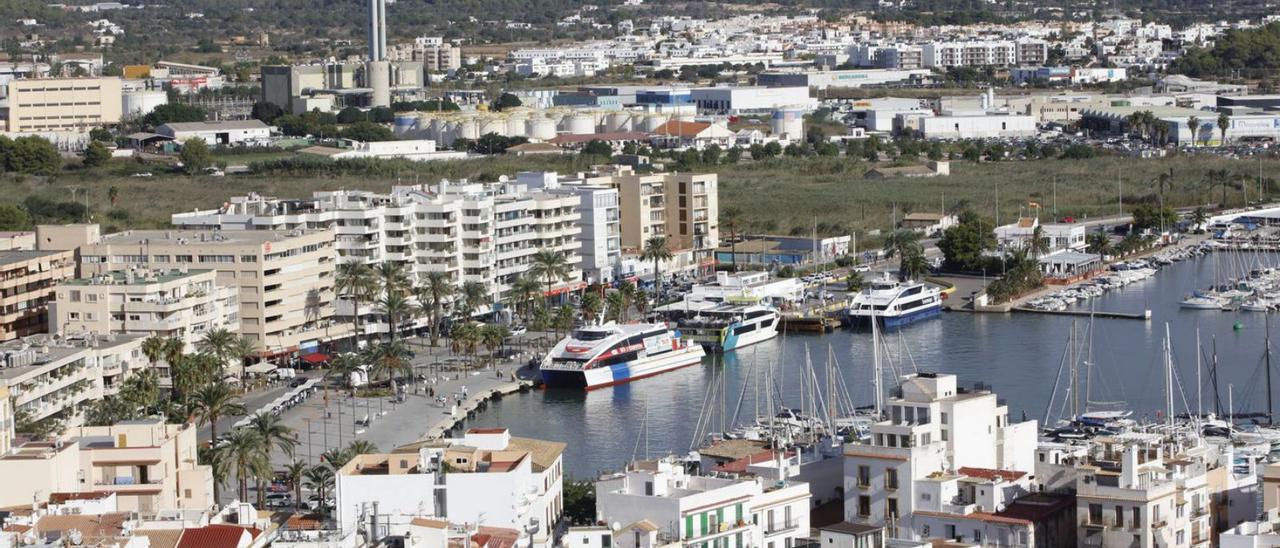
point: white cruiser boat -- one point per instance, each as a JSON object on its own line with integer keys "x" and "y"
{"x": 895, "y": 303}
{"x": 723, "y": 326}
{"x": 1201, "y": 302}
{"x": 597, "y": 356}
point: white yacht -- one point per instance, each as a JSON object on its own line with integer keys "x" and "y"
{"x": 604, "y": 355}
{"x": 895, "y": 303}
{"x": 722, "y": 326}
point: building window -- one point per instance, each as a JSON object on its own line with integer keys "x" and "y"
{"x": 977, "y": 536}
{"x": 1095, "y": 514}
{"x": 891, "y": 478}
{"x": 864, "y": 476}
{"x": 864, "y": 505}
{"x": 891, "y": 508}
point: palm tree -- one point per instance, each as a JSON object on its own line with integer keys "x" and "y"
{"x": 465, "y": 337}
{"x": 914, "y": 265}
{"x": 297, "y": 471}
{"x": 1100, "y": 243}
{"x": 273, "y": 431}
{"x": 550, "y": 266}
{"x": 431, "y": 294}
{"x": 524, "y": 293}
{"x": 1039, "y": 244}
{"x": 217, "y": 343}
{"x": 395, "y": 306}
{"x": 212, "y": 402}
{"x": 1199, "y": 217}
{"x": 356, "y": 283}
{"x": 392, "y": 277}
{"x": 245, "y": 454}
{"x": 337, "y": 457}
{"x": 342, "y": 367}
{"x": 656, "y": 250}
{"x": 153, "y": 348}
{"x": 142, "y": 391}
{"x": 731, "y": 220}
{"x": 473, "y": 296}
{"x": 615, "y": 306}
{"x": 389, "y": 359}
{"x": 590, "y": 305}
{"x": 492, "y": 336}
{"x": 241, "y": 349}
{"x": 1193, "y": 123}
{"x": 319, "y": 478}
{"x": 219, "y": 465}
{"x": 361, "y": 447}
{"x": 1224, "y": 123}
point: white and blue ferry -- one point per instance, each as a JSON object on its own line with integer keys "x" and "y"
{"x": 722, "y": 326}
{"x": 598, "y": 356}
{"x": 895, "y": 303}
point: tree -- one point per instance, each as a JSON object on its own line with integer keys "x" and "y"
{"x": 101, "y": 134}
{"x": 471, "y": 297}
{"x": 351, "y": 115}
{"x": 492, "y": 336}
{"x": 394, "y": 306}
{"x": 1039, "y": 244}
{"x": 579, "y": 502}
{"x": 506, "y": 101}
{"x": 296, "y": 471}
{"x": 31, "y": 155}
{"x": 367, "y": 131}
{"x": 173, "y": 112}
{"x": 13, "y": 218}
{"x": 731, "y": 220}
{"x": 431, "y": 294}
{"x": 598, "y": 148}
{"x": 591, "y": 305}
{"x": 356, "y": 283}
{"x": 211, "y": 403}
{"x": 96, "y": 154}
{"x": 266, "y": 111}
{"x": 1193, "y": 124}
{"x": 963, "y": 245}
{"x": 342, "y": 367}
{"x": 195, "y": 156}
{"x": 551, "y": 266}
{"x": 1152, "y": 216}
{"x": 319, "y": 478}
{"x": 1224, "y": 123}
{"x": 217, "y": 343}
{"x": 1098, "y": 242}
{"x": 1199, "y": 218}
{"x": 656, "y": 250}
{"x": 524, "y": 291}
{"x": 913, "y": 265}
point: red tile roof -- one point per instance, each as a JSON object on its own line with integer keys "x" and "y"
{"x": 739, "y": 466}
{"x": 214, "y": 536}
{"x": 682, "y": 129}
{"x": 576, "y": 138}
{"x": 59, "y": 498}
{"x": 977, "y": 516}
{"x": 991, "y": 473}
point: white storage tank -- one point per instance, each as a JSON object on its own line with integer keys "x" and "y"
{"x": 405, "y": 124}
{"x": 468, "y": 128}
{"x": 493, "y": 125}
{"x": 618, "y": 122}
{"x": 516, "y": 126}
{"x": 542, "y": 128}
{"x": 652, "y": 122}
{"x": 787, "y": 123}
{"x": 581, "y": 124}
{"x": 142, "y": 102}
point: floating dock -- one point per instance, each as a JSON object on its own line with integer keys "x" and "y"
{"x": 1144, "y": 315}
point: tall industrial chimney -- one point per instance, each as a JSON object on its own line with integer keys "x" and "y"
{"x": 377, "y": 30}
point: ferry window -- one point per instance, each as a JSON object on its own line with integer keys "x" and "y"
{"x": 589, "y": 335}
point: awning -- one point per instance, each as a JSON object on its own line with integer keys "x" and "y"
{"x": 261, "y": 367}
{"x": 315, "y": 358}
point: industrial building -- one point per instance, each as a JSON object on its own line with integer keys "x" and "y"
{"x": 420, "y": 150}
{"x": 844, "y": 78}
{"x": 222, "y": 133}
{"x": 1244, "y": 124}
{"x": 333, "y": 85}
{"x": 45, "y": 105}
{"x": 879, "y": 114}
{"x": 750, "y": 99}
{"x": 977, "y": 126}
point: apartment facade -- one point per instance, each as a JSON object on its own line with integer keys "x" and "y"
{"x": 27, "y": 280}
{"x": 933, "y": 428}
{"x": 682, "y": 207}
{"x": 61, "y": 104}
{"x": 284, "y": 278}
{"x": 48, "y": 379}
{"x": 176, "y": 302}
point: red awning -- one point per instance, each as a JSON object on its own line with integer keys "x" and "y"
{"x": 315, "y": 357}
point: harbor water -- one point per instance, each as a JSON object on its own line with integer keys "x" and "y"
{"x": 1018, "y": 355}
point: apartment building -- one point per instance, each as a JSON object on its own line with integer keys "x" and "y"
{"x": 61, "y": 104}
{"x": 6, "y": 420}
{"x": 683, "y": 207}
{"x": 970, "y": 54}
{"x": 148, "y": 465}
{"x": 599, "y": 220}
{"x": 27, "y": 280}
{"x": 942, "y": 451}
{"x": 60, "y": 379}
{"x": 284, "y": 278}
{"x": 486, "y": 478}
{"x": 706, "y": 511}
{"x": 474, "y": 232}
{"x": 173, "y": 302}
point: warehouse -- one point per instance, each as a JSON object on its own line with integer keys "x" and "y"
{"x": 844, "y": 78}
{"x": 878, "y": 114}
{"x": 750, "y": 99}
{"x": 977, "y": 126}
{"x": 233, "y": 132}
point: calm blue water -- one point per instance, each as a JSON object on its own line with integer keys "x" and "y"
{"x": 1019, "y": 355}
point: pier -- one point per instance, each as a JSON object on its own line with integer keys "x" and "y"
{"x": 1144, "y": 315}
{"x": 472, "y": 403}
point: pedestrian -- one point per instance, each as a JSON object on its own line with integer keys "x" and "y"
{"x": 464, "y": 390}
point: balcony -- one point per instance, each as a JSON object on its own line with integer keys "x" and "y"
{"x": 781, "y": 527}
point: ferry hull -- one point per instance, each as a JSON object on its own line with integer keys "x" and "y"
{"x": 729, "y": 341}
{"x": 899, "y": 320}
{"x": 601, "y": 377}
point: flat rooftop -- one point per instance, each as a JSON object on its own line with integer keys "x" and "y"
{"x": 142, "y": 277}
{"x": 251, "y": 237}
{"x": 13, "y": 257}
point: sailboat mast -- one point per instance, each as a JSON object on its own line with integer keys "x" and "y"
{"x": 1270, "y": 409}
{"x": 1168, "y": 378}
{"x": 875, "y": 364}
{"x": 1199, "y": 408}
{"x": 1075, "y": 374}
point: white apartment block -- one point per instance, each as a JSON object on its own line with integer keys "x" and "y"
{"x": 705, "y": 511}
{"x": 179, "y": 303}
{"x": 487, "y": 478}
{"x": 934, "y": 430}
{"x": 284, "y": 278}
{"x": 49, "y": 379}
{"x": 474, "y": 232}
{"x": 599, "y": 220}
{"x": 985, "y": 53}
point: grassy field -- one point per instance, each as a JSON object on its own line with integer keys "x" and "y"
{"x": 776, "y": 196}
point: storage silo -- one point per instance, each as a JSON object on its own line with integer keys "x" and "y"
{"x": 618, "y": 122}
{"x": 516, "y": 125}
{"x": 404, "y": 125}
{"x": 493, "y": 124}
{"x": 141, "y": 102}
{"x": 652, "y": 122}
{"x": 542, "y": 128}
{"x": 468, "y": 128}
{"x": 788, "y": 123}
{"x": 582, "y": 123}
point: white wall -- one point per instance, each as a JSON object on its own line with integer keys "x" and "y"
{"x": 401, "y": 496}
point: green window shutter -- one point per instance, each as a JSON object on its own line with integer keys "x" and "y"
{"x": 704, "y": 522}
{"x": 738, "y": 507}
{"x": 688, "y": 526}
{"x": 738, "y": 540}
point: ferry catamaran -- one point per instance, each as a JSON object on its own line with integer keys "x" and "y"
{"x": 604, "y": 355}
{"x": 895, "y": 303}
{"x": 721, "y": 326}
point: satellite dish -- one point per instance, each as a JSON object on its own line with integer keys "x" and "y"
{"x": 615, "y": 526}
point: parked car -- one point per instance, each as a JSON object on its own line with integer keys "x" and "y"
{"x": 279, "y": 500}
{"x": 517, "y": 330}
{"x": 862, "y": 268}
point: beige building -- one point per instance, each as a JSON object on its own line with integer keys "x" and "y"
{"x": 6, "y": 420}
{"x": 17, "y": 241}
{"x": 284, "y": 279}
{"x": 180, "y": 303}
{"x": 59, "y": 380}
{"x": 61, "y": 104}
{"x": 148, "y": 464}
{"x": 684, "y": 207}
{"x": 27, "y": 279}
